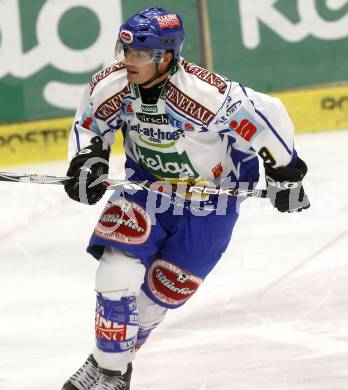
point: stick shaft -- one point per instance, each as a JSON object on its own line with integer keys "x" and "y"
{"x": 158, "y": 187}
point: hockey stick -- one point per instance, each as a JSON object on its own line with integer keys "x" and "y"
{"x": 159, "y": 187}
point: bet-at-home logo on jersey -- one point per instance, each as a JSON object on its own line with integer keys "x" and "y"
{"x": 166, "y": 165}
{"x": 149, "y": 108}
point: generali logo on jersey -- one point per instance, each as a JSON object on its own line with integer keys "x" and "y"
{"x": 206, "y": 76}
{"x": 105, "y": 73}
{"x": 189, "y": 106}
{"x": 112, "y": 105}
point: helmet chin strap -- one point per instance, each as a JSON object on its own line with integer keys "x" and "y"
{"x": 154, "y": 77}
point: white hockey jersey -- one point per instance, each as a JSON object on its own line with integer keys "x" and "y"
{"x": 203, "y": 127}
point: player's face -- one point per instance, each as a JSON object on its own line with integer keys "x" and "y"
{"x": 140, "y": 74}
{"x": 139, "y": 65}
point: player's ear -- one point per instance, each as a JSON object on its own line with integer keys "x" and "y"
{"x": 166, "y": 60}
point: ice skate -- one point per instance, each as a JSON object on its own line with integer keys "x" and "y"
{"x": 113, "y": 380}
{"x": 85, "y": 377}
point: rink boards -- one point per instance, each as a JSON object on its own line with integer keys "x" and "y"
{"x": 313, "y": 109}
{"x": 38, "y": 141}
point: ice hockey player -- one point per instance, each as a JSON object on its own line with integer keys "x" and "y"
{"x": 180, "y": 122}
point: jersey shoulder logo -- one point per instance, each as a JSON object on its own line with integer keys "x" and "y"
{"x": 105, "y": 73}
{"x": 205, "y": 75}
{"x": 188, "y": 105}
{"x": 112, "y": 105}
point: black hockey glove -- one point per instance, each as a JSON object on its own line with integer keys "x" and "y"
{"x": 284, "y": 187}
{"x": 86, "y": 168}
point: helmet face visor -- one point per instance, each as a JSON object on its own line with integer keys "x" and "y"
{"x": 137, "y": 57}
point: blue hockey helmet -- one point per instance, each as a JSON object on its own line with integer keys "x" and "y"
{"x": 153, "y": 29}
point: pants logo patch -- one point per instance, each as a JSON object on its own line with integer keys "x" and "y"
{"x": 171, "y": 284}
{"x": 125, "y": 222}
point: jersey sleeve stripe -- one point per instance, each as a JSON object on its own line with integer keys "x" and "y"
{"x": 280, "y": 139}
{"x": 293, "y": 159}
{"x": 77, "y": 137}
{"x": 243, "y": 89}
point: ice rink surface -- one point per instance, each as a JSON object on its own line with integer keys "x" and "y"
{"x": 272, "y": 315}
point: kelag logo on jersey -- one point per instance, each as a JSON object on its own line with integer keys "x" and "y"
{"x": 165, "y": 165}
